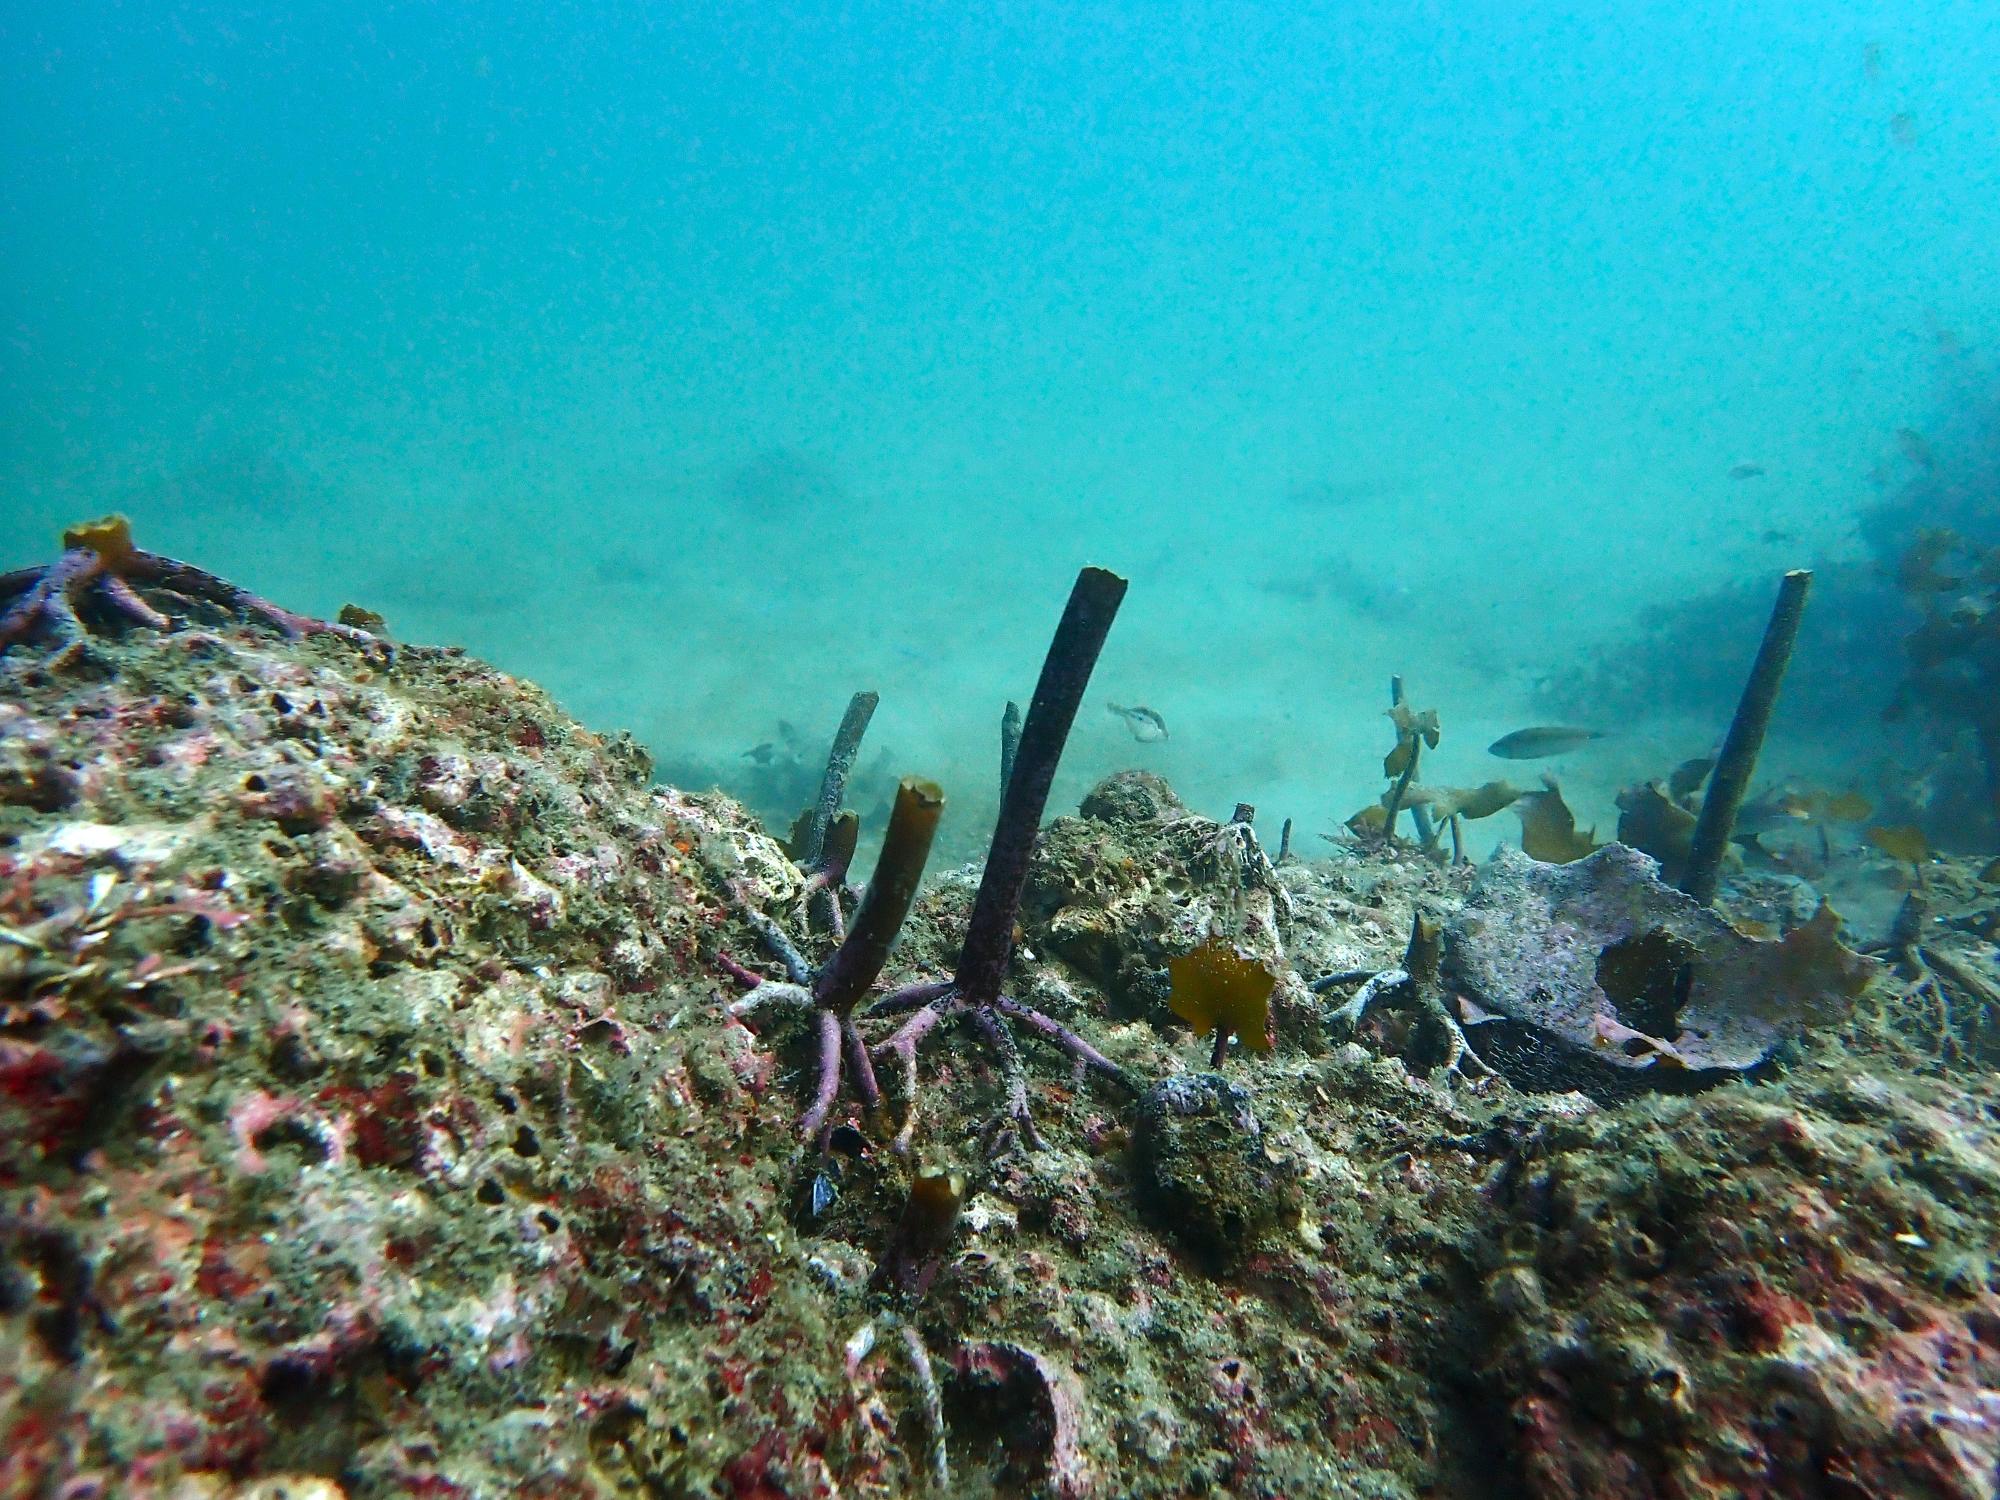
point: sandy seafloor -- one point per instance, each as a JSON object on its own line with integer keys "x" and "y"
{"x": 1264, "y": 635}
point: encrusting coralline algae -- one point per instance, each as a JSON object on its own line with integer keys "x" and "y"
{"x": 373, "y": 1121}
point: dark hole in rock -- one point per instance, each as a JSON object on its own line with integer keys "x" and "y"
{"x": 1000, "y": 1435}
{"x": 195, "y": 936}
{"x": 548, "y": 1221}
{"x": 433, "y": 1065}
{"x": 427, "y": 934}
{"x": 526, "y": 1143}
{"x": 1647, "y": 978}
{"x": 255, "y": 783}
{"x": 292, "y": 1386}
{"x": 290, "y": 1132}
{"x": 280, "y": 703}
{"x": 490, "y": 1191}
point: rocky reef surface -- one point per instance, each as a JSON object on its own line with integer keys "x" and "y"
{"x": 373, "y": 1121}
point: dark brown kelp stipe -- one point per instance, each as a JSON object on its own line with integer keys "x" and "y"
{"x": 989, "y": 937}
{"x": 1737, "y": 763}
{"x": 974, "y": 990}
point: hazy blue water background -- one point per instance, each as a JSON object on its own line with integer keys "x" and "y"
{"x": 707, "y": 363}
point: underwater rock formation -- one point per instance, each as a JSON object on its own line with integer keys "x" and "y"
{"x": 1620, "y": 971}
{"x": 1204, "y": 1170}
{"x": 349, "y": 1127}
{"x": 373, "y": 1122}
{"x": 1781, "y": 1293}
{"x": 1136, "y": 881}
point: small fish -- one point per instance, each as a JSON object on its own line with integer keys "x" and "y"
{"x": 1686, "y": 778}
{"x": 760, "y": 755}
{"x": 1542, "y": 740}
{"x": 823, "y": 1193}
{"x": 1991, "y": 874}
{"x": 1767, "y": 813}
{"x": 1871, "y": 61}
{"x": 1746, "y": 471}
{"x": 1903, "y": 129}
{"x": 1915, "y": 447}
{"x": 1147, "y": 727}
{"x": 1777, "y": 538}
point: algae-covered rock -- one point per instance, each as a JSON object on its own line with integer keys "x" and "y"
{"x": 1132, "y": 797}
{"x": 1207, "y": 1173}
{"x": 373, "y": 1122}
{"x": 1608, "y": 968}
{"x": 356, "y": 1059}
{"x": 1136, "y": 881}
{"x": 1787, "y": 1292}
{"x": 370, "y": 1119}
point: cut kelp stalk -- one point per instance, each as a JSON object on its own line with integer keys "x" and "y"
{"x": 989, "y": 938}
{"x": 1418, "y": 815}
{"x": 1393, "y": 803}
{"x": 1010, "y": 742}
{"x": 833, "y": 785}
{"x": 899, "y": 870}
{"x": 1737, "y": 762}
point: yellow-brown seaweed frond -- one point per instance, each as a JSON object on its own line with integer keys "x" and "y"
{"x": 1411, "y": 726}
{"x": 1686, "y": 778}
{"x": 1808, "y": 973}
{"x": 110, "y": 537}
{"x": 1839, "y": 807}
{"x": 1217, "y": 988}
{"x": 1652, "y": 822}
{"x": 843, "y": 834}
{"x": 1414, "y": 724}
{"x": 1548, "y": 827}
{"x": 1903, "y": 841}
{"x": 1919, "y": 570}
{"x": 1369, "y": 822}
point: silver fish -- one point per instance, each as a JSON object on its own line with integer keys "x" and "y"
{"x": 1542, "y": 740}
{"x": 1146, "y": 725}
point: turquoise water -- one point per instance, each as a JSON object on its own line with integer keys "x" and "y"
{"x": 709, "y": 364}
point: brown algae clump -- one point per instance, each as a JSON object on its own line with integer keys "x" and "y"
{"x": 1216, "y": 989}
